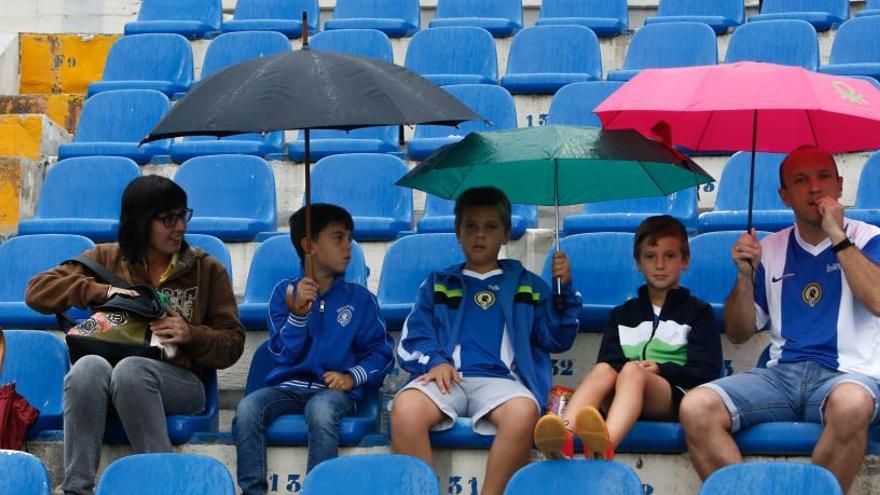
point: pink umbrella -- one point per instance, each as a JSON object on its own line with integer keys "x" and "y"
{"x": 748, "y": 106}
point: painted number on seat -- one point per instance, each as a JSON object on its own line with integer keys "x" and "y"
{"x": 293, "y": 485}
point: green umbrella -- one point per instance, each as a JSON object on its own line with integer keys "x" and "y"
{"x": 557, "y": 165}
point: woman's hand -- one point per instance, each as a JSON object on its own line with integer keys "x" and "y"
{"x": 172, "y": 329}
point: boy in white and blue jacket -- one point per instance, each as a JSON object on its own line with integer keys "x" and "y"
{"x": 477, "y": 344}
{"x": 327, "y": 342}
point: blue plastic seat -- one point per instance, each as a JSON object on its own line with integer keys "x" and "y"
{"x": 37, "y": 361}
{"x": 573, "y": 104}
{"x": 499, "y": 17}
{"x": 195, "y": 19}
{"x": 867, "y": 207}
{"x": 232, "y": 196}
{"x": 400, "y": 474}
{"x": 408, "y": 262}
{"x": 291, "y": 429}
{"x": 440, "y": 217}
{"x": 822, "y": 14}
{"x": 237, "y": 144}
{"x": 603, "y": 270}
{"x": 274, "y": 260}
{"x": 363, "y": 184}
{"x": 112, "y": 123}
{"x": 362, "y": 42}
{"x": 180, "y": 474}
{"x": 214, "y": 247}
{"x": 23, "y": 474}
{"x": 720, "y": 15}
{"x": 494, "y": 103}
{"x": 82, "y": 196}
{"x": 856, "y": 49}
{"x": 732, "y": 200}
{"x": 395, "y": 18}
{"x": 784, "y": 41}
{"x": 284, "y": 16}
{"x": 580, "y": 476}
{"x": 546, "y": 58}
{"x": 329, "y": 142}
{"x": 23, "y": 257}
{"x": 454, "y": 55}
{"x": 625, "y": 215}
{"x": 159, "y": 61}
{"x": 771, "y": 478}
{"x": 605, "y": 17}
{"x": 663, "y": 46}
{"x": 872, "y": 7}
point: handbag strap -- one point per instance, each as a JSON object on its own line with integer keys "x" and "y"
{"x": 101, "y": 273}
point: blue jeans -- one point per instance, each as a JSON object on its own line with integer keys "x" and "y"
{"x": 322, "y": 409}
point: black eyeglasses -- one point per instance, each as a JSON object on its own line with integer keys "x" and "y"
{"x": 170, "y": 220}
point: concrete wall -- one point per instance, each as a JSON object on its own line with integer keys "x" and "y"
{"x": 8, "y": 63}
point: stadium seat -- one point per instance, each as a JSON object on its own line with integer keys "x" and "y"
{"x": 400, "y": 475}
{"x": 872, "y": 7}
{"x": 23, "y": 257}
{"x": 37, "y": 361}
{"x": 114, "y": 122}
{"x": 454, "y": 55}
{"x": 328, "y": 142}
{"x": 195, "y": 19}
{"x": 603, "y": 270}
{"x": 291, "y": 429}
{"x": 165, "y": 474}
{"x": 546, "y": 58}
{"x": 408, "y": 262}
{"x": 720, "y": 15}
{"x": 822, "y": 14}
{"x": 499, "y": 17}
{"x": 214, "y": 247}
{"x": 368, "y": 43}
{"x": 232, "y": 196}
{"x": 440, "y": 217}
{"x": 661, "y": 46}
{"x": 236, "y": 144}
{"x": 363, "y": 184}
{"x": 284, "y": 16}
{"x": 771, "y": 478}
{"x": 732, "y": 200}
{"x": 606, "y": 18}
{"x": 577, "y": 476}
{"x": 160, "y": 61}
{"x": 494, "y": 103}
{"x": 573, "y": 104}
{"x": 395, "y": 18}
{"x": 82, "y": 196}
{"x": 867, "y": 207}
{"x": 23, "y": 474}
{"x": 783, "y": 41}
{"x": 625, "y": 215}
{"x": 276, "y": 259}
{"x": 856, "y": 49}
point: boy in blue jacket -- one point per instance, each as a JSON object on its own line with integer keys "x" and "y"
{"x": 477, "y": 344}
{"x": 327, "y": 343}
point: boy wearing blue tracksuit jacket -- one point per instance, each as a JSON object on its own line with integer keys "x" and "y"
{"x": 477, "y": 343}
{"x": 327, "y": 342}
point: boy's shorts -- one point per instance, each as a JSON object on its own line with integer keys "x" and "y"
{"x": 785, "y": 392}
{"x": 473, "y": 397}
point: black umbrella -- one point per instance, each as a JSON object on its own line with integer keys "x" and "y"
{"x": 306, "y": 90}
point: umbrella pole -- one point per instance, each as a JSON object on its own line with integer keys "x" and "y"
{"x": 752, "y": 170}
{"x": 308, "y": 260}
{"x": 559, "y": 302}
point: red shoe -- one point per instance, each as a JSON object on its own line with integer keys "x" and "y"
{"x": 591, "y": 429}
{"x": 553, "y": 438}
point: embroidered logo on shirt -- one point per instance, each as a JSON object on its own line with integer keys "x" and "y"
{"x": 782, "y": 277}
{"x": 812, "y": 294}
{"x": 832, "y": 267}
{"x": 181, "y": 300}
{"x": 484, "y": 299}
{"x": 344, "y": 315}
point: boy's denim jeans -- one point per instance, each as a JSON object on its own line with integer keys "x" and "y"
{"x": 322, "y": 409}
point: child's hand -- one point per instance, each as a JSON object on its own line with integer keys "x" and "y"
{"x": 341, "y": 382}
{"x": 650, "y": 366}
{"x": 561, "y": 267}
{"x": 306, "y": 293}
{"x": 445, "y": 376}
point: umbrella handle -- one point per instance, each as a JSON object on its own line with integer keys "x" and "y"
{"x": 558, "y": 298}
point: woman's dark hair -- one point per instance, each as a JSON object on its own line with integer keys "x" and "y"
{"x": 144, "y": 199}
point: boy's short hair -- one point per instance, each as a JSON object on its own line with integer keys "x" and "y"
{"x": 323, "y": 214}
{"x": 490, "y": 197}
{"x": 653, "y": 228}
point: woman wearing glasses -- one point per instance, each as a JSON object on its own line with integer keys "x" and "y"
{"x": 201, "y": 321}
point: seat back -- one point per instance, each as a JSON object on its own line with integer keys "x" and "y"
{"x": 868, "y": 195}
{"x": 580, "y": 476}
{"x": 125, "y": 115}
{"x": 731, "y": 9}
{"x": 277, "y": 9}
{"x": 678, "y": 44}
{"x": 86, "y": 187}
{"x": 208, "y": 11}
{"x": 711, "y": 273}
{"x": 369, "y": 43}
{"x": 771, "y": 478}
{"x": 150, "y": 57}
{"x": 494, "y": 103}
{"x": 180, "y": 474}
{"x": 363, "y": 184}
{"x": 453, "y": 50}
{"x": 23, "y": 257}
{"x": 37, "y": 362}
{"x": 409, "y": 261}
{"x": 857, "y": 41}
{"x": 573, "y": 104}
{"x": 555, "y": 49}
{"x": 229, "y": 186}
{"x": 233, "y": 48}
{"x": 682, "y": 204}
{"x": 837, "y": 8}
{"x": 23, "y": 474}
{"x": 783, "y": 41}
{"x": 400, "y": 474}
{"x": 578, "y": 8}
{"x": 733, "y": 188}
{"x": 213, "y": 246}
{"x": 408, "y": 10}
{"x": 502, "y": 9}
